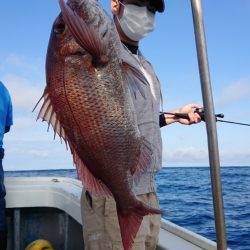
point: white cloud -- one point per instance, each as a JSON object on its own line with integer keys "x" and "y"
{"x": 186, "y": 156}
{"x": 32, "y": 68}
{"x": 234, "y": 92}
{"x": 23, "y": 123}
{"x": 24, "y": 93}
{"x": 192, "y": 156}
{"x": 235, "y": 157}
{"x": 39, "y": 153}
{"x": 24, "y": 79}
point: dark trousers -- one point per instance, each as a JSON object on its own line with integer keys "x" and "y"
{"x": 3, "y": 225}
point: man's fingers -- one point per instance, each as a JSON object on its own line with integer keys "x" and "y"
{"x": 194, "y": 118}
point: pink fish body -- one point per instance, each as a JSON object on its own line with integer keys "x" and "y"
{"x": 88, "y": 102}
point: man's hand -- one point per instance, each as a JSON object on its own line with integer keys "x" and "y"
{"x": 193, "y": 116}
{"x": 187, "y": 109}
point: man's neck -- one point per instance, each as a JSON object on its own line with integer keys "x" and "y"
{"x": 132, "y": 48}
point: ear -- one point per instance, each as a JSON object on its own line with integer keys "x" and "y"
{"x": 115, "y": 6}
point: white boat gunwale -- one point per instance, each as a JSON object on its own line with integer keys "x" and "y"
{"x": 65, "y": 194}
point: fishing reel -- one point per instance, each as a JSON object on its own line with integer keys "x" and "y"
{"x": 201, "y": 113}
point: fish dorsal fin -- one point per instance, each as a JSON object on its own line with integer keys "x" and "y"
{"x": 85, "y": 35}
{"x": 92, "y": 184}
{"x": 47, "y": 113}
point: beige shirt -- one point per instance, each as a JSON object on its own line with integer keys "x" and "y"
{"x": 147, "y": 112}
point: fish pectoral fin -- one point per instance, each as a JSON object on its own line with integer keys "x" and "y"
{"x": 90, "y": 182}
{"x": 47, "y": 113}
{"x": 85, "y": 35}
{"x": 144, "y": 160}
{"x": 134, "y": 78}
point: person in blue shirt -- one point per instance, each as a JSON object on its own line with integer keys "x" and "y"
{"x": 6, "y": 120}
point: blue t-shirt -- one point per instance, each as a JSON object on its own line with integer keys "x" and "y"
{"x": 6, "y": 118}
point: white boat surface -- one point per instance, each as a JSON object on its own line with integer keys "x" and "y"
{"x": 49, "y": 208}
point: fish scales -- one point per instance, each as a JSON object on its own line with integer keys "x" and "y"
{"x": 88, "y": 102}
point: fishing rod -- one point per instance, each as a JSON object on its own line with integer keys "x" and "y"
{"x": 201, "y": 113}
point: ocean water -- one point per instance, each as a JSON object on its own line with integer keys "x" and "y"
{"x": 185, "y": 193}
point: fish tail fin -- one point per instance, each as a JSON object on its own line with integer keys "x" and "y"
{"x": 129, "y": 226}
{"x": 131, "y": 222}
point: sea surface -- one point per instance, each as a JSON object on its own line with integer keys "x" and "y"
{"x": 185, "y": 193}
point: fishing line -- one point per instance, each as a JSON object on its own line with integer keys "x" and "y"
{"x": 237, "y": 123}
{"x": 202, "y": 115}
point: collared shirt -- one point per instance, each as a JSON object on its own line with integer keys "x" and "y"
{"x": 147, "y": 111}
{"x": 6, "y": 118}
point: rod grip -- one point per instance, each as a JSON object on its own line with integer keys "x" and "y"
{"x": 185, "y": 116}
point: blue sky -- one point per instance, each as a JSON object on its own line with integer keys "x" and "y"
{"x": 25, "y": 29}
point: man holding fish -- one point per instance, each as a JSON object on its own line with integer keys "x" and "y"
{"x": 103, "y": 98}
{"x": 134, "y": 19}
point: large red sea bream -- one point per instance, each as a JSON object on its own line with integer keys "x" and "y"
{"x": 88, "y": 102}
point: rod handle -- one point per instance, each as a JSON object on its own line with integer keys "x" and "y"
{"x": 201, "y": 113}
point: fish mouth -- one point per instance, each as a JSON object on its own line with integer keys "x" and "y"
{"x": 86, "y": 36}
{"x": 72, "y": 48}
{"x": 79, "y": 53}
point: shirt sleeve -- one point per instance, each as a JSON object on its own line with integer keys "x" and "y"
{"x": 162, "y": 120}
{"x": 9, "y": 118}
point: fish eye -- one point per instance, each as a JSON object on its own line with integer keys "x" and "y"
{"x": 59, "y": 25}
{"x": 59, "y": 28}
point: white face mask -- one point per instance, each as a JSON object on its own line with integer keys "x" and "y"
{"x": 136, "y": 21}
